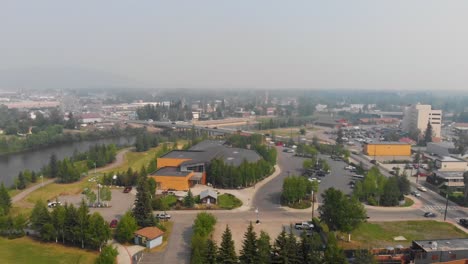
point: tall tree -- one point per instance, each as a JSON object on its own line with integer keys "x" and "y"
{"x": 249, "y": 252}
{"x": 83, "y": 222}
{"x": 107, "y": 256}
{"x": 143, "y": 212}
{"x": 59, "y": 216}
{"x": 210, "y": 252}
{"x": 264, "y": 248}
{"x": 125, "y": 228}
{"x": 333, "y": 253}
{"x": 21, "y": 181}
{"x": 227, "y": 252}
{"x": 391, "y": 194}
{"x": 428, "y": 134}
{"x": 39, "y": 218}
{"x": 98, "y": 231}
{"x": 53, "y": 166}
{"x": 5, "y": 200}
{"x": 189, "y": 201}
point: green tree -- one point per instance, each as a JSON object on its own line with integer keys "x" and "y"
{"x": 264, "y": 248}
{"x": 83, "y": 222}
{"x": 391, "y": 194}
{"x": 59, "y": 215}
{"x": 98, "y": 231}
{"x": 189, "y": 201}
{"x": 364, "y": 257}
{"x": 340, "y": 212}
{"x": 39, "y": 219}
{"x": 249, "y": 252}
{"x": 125, "y": 228}
{"x": 91, "y": 196}
{"x": 21, "y": 181}
{"x": 428, "y": 134}
{"x": 143, "y": 211}
{"x": 5, "y": 200}
{"x": 108, "y": 255}
{"x": 227, "y": 252}
{"x": 302, "y": 131}
{"x": 53, "y": 166}
{"x": 333, "y": 253}
{"x": 106, "y": 194}
{"x": 210, "y": 252}
{"x": 152, "y": 186}
{"x": 285, "y": 248}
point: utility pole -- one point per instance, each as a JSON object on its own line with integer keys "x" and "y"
{"x": 313, "y": 204}
{"x": 446, "y": 203}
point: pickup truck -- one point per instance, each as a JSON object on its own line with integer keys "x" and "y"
{"x": 163, "y": 216}
{"x": 303, "y": 225}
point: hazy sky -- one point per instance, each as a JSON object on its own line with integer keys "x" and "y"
{"x": 375, "y": 44}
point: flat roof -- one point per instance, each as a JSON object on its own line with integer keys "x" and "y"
{"x": 449, "y": 159}
{"x": 170, "y": 171}
{"x": 450, "y": 174}
{"x": 443, "y": 244}
{"x": 196, "y": 155}
{"x": 388, "y": 143}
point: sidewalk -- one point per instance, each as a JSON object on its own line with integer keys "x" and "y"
{"x": 126, "y": 252}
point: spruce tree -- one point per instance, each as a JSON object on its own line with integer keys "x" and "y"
{"x": 21, "y": 181}
{"x": 33, "y": 177}
{"x": 53, "y": 166}
{"x": 210, "y": 252}
{"x": 264, "y": 248}
{"x": 428, "y": 134}
{"x": 5, "y": 200}
{"x": 227, "y": 252}
{"x": 39, "y": 218}
{"x": 189, "y": 201}
{"x": 143, "y": 212}
{"x": 249, "y": 252}
{"x": 280, "y": 248}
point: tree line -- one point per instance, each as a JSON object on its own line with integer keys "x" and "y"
{"x": 223, "y": 175}
{"x": 255, "y": 142}
{"x": 145, "y": 141}
{"x": 376, "y": 189}
{"x": 297, "y": 189}
{"x": 159, "y": 112}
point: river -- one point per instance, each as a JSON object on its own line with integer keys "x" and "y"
{"x": 12, "y": 164}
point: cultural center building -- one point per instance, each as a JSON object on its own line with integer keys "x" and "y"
{"x": 387, "y": 149}
{"x": 181, "y": 169}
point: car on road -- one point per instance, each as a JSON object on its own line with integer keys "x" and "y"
{"x": 321, "y": 173}
{"x": 113, "y": 223}
{"x": 422, "y": 189}
{"x": 53, "y": 204}
{"x": 463, "y": 222}
{"x": 408, "y": 167}
{"x": 349, "y": 167}
{"x": 429, "y": 214}
{"x": 303, "y": 226}
{"x": 314, "y": 179}
{"x": 416, "y": 193}
{"x": 163, "y": 216}
{"x": 127, "y": 189}
{"x": 373, "y": 161}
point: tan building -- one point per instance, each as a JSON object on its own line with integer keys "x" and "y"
{"x": 417, "y": 116}
{"x": 447, "y": 163}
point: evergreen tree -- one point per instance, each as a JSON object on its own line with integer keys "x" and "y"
{"x": 210, "y": 252}
{"x": 58, "y": 216}
{"x": 83, "y": 222}
{"x": 339, "y": 137}
{"x": 227, "y": 252}
{"x": 33, "y": 177}
{"x": 264, "y": 248}
{"x": 143, "y": 212}
{"x": 39, "y": 218}
{"x": 53, "y": 166}
{"x": 21, "y": 181}
{"x": 333, "y": 253}
{"x": 5, "y": 200}
{"x": 305, "y": 248}
{"x": 125, "y": 228}
{"x": 404, "y": 185}
{"x": 391, "y": 194}
{"x": 249, "y": 252}
{"x": 107, "y": 256}
{"x": 189, "y": 201}
{"x": 285, "y": 248}
{"x": 428, "y": 134}
{"x": 98, "y": 231}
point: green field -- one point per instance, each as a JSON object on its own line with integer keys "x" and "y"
{"x": 26, "y": 250}
{"x": 381, "y": 234}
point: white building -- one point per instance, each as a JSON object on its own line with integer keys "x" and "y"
{"x": 416, "y": 117}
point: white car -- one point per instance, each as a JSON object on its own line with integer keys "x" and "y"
{"x": 314, "y": 179}
{"x": 416, "y": 194}
{"x": 422, "y": 189}
{"x": 349, "y": 167}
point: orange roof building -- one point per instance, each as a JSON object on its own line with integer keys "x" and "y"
{"x": 149, "y": 237}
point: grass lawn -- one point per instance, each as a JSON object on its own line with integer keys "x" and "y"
{"x": 228, "y": 201}
{"x": 381, "y": 234}
{"x": 408, "y": 202}
{"x": 135, "y": 160}
{"x": 25, "y": 250}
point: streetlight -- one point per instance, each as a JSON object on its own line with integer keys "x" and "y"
{"x": 313, "y": 204}
{"x": 42, "y": 180}
{"x": 94, "y": 168}
{"x": 114, "y": 178}
{"x": 98, "y": 194}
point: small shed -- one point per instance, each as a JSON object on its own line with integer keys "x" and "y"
{"x": 208, "y": 197}
{"x": 149, "y": 237}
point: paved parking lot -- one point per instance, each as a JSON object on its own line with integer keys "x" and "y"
{"x": 120, "y": 203}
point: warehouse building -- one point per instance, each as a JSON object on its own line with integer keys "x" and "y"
{"x": 387, "y": 149}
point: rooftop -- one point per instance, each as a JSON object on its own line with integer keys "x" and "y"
{"x": 449, "y": 159}
{"x": 170, "y": 171}
{"x": 207, "y": 193}
{"x": 388, "y": 143}
{"x": 450, "y": 174}
{"x": 443, "y": 244}
{"x": 150, "y": 232}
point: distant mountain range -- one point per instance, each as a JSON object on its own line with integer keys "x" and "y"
{"x": 62, "y": 78}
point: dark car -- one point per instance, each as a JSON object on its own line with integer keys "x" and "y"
{"x": 113, "y": 223}
{"x": 127, "y": 189}
{"x": 429, "y": 214}
{"x": 373, "y": 161}
{"x": 464, "y": 222}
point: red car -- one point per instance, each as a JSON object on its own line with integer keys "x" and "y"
{"x": 113, "y": 223}
{"x": 127, "y": 189}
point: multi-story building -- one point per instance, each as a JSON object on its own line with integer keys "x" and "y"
{"x": 417, "y": 116}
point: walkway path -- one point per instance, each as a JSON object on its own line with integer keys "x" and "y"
{"x": 119, "y": 159}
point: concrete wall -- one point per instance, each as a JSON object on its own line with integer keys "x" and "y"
{"x": 450, "y": 165}
{"x": 154, "y": 243}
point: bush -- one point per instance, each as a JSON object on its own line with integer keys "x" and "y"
{"x": 371, "y": 201}
{"x": 107, "y": 256}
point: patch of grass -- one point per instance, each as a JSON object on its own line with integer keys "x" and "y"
{"x": 381, "y": 234}
{"x": 25, "y": 250}
{"x": 135, "y": 160}
{"x": 408, "y": 202}
{"x": 228, "y": 201}
{"x": 169, "y": 200}
{"x": 300, "y": 205}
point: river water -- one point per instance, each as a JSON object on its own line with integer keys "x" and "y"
{"x": 12, "y": 164}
